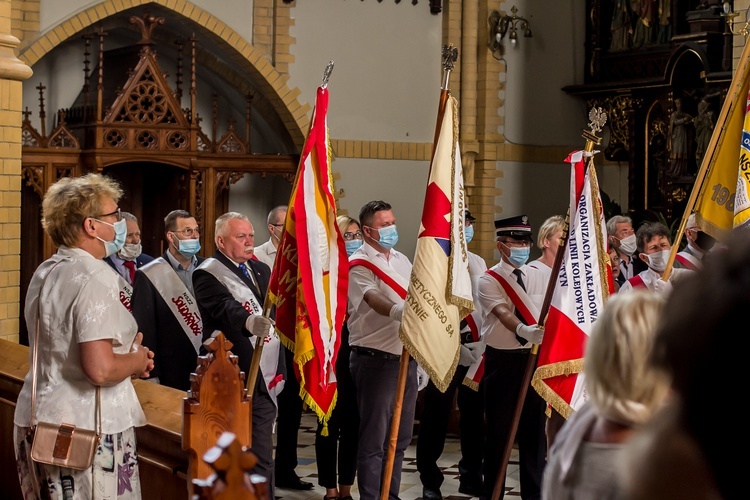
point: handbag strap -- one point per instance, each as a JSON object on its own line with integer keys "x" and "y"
{"x": 34, "y": 357}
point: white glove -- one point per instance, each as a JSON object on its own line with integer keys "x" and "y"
{"x": 422, "y": 378}
{"x": 466, "y": 358}
{"x": 477, "y": 349}
{"x": 532, "y": 333}
{"x": 259, "y": 325}
{"x": 661, "y": 286}
{"x": 396, "y": 312}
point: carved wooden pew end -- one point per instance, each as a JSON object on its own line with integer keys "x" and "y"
{"x": 216, "y": 403}
{"x": 231, "y": 480}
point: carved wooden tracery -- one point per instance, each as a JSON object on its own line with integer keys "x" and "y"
{"x": 142, "y": 120}
{"x": 131, "y": 123}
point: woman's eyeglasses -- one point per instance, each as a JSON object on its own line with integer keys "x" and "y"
{"x": 117, "y": 213}
{"x": 353, "y": 236}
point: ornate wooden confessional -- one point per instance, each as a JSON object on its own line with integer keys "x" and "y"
{"x": 642, "y": 57}
{"x": 129, "y": 125}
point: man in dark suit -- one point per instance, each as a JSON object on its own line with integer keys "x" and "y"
{"x": 131, "y": 256}
{"x": 164, "y": 304}
{"x": 230, "y": 288}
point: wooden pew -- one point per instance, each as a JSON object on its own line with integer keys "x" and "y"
{"x": 217, "y": 402}
{"x": 163, "y": 462}
{"x": 231, "y": 463}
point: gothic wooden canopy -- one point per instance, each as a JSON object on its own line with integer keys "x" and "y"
{"x": 132, "y": 116}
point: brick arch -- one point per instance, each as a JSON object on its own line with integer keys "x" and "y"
{"x": 284, "y": 100}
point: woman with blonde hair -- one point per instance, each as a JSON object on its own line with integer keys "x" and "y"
{"x": 85, "y": 340}
{"x": 623, "y": 390}
{"x": 336, "y": 453}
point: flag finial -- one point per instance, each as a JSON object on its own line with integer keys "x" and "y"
{"x": 327, "y": 74}
{"x": 450, "y": 55}
{"x": 598, "y": 118}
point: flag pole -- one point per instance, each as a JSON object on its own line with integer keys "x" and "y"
{"x": 267, "y": 306}
{"x": 732, "y": 100}
{"x": 598, "y": 119}
{"x": 450, "y": 55}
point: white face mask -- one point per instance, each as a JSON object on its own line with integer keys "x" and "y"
{"x": 627, "y": 245}
{"x": 130, "y": 251}
{"x": 658, "y": 261}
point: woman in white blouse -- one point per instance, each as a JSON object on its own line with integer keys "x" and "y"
{"x": 87, "y": 338}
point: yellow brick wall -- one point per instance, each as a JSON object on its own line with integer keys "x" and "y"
{"x": 24, "y": 16}
{"x": 271, "y": 23}
{"x": 12, "y": 72}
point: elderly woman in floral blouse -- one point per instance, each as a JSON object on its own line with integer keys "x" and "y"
{"x": 86, "y": 339}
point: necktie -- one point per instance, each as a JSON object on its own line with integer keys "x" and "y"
{"x": 245, "y": 271}
{"x": 131, "y": 269}
{"x": 519, "y": 279}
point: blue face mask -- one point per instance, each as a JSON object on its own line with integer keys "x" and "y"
{"x": 188, "y": 248}
{"x": 519, "y": 256}
{"x": 388, "y": 237}
{"x": 121, "y": 233}
{"x": 469, "y": 233}
{"x": 352, "y": 245}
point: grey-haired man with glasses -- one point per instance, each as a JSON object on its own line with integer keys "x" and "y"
{"x": 164, "y": 304}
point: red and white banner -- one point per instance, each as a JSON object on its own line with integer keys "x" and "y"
{"x": 581, "y": 289}
{"x": 311, "y": 272}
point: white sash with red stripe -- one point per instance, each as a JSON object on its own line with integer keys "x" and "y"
{"x": 688, "y": 260}
{"x": 395, "y": 282}
{"x": 178, "y": 298}
{"x": 476, "y": 370}
{"x": 528, "y": 310}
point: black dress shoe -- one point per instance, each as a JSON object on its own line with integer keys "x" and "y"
{"x": 293, "y": 483}
{"x": 470, "y": 489}
{"x": 430, "y": 494}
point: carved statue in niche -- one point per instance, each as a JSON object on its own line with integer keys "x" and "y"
{"x": 621, "y": 26}
{"x": 705, "y": 121}
{"x": 679, "y": 141}
{"x": 664, "y": 31}
{"x": 644, "y": 26}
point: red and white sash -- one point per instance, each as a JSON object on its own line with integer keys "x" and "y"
{"x": 529, "y": 311}
{"x": 394, "y": 281}
{"x": 178, "y": 298}
{"x": 637, "y": 282}
{"x": 688, "y": 261}
{"x": 269, "y": 359}
{"x": 476, "y": 370}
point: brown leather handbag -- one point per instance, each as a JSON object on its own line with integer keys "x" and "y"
{"x": 62, "y": 445}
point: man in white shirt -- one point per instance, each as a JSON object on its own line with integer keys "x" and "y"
{"x": 266, "y": 252}
{"x": 290, "y": 404}
{"x": 378, "y": 280}
{"x": 654, "y": 247}
{"x": 509, "y": 329}
{"x": 698, "y": 244}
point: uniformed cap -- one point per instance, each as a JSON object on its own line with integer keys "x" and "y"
{"x": 517, "y": 227}
{"x": 468, "y": 215}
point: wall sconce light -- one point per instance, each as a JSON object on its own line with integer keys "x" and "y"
{"x": 731, "y": 19}
{"x": 502, "y": 24}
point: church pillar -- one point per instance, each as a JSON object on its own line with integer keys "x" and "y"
{"x": 12, "y": 72}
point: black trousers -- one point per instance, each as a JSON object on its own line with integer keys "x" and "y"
{"x": 339, "y": 447}
{"x": 433, "y": 426}
{"x": 290, "y": 416}
{"x": 503, "y": 376}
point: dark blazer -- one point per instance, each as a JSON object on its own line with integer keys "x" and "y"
{"x": 221, "y": 311}
{"x": 140, "y": 261}
{"x": 174, "y": 356}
